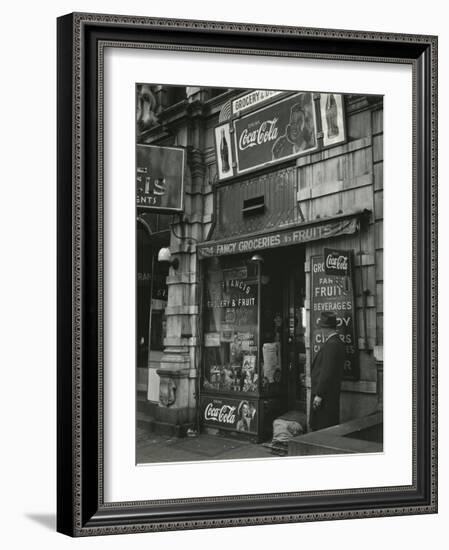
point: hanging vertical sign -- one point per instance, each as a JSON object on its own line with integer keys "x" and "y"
{"x": 160, "y": 178}
{"x": 332, "y": 289}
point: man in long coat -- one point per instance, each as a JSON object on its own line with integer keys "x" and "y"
{"x": 326, "y": 376}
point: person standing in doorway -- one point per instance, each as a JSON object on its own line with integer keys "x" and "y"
{"x": 326, "y": 375}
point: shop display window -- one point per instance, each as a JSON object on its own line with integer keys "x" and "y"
{"x": 231, "y": 326}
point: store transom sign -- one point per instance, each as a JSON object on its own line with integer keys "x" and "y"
{"x": 286, "y": 237}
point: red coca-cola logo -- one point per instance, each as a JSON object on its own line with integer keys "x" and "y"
{"x": 224, "y": 414}
{"x": 337, "y": 262}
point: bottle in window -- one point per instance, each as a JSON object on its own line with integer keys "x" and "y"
{"x": 331, "y": 116}
{"x": 224, "y": 153}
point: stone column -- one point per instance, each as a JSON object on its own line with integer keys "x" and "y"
{"x": 178, "y": 371}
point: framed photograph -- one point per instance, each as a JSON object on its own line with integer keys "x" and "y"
{"x": 247, "y": 278}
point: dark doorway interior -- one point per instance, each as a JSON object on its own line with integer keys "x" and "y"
{"x": 151, "y": 294}
{"x": 283, "y": 320}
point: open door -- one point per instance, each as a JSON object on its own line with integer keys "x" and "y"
{"x": 283, "y": 320}
{"x": 294, "y": 346}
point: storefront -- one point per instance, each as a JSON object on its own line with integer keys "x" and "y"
{"x": 282, "y": 220}
{"x": 260, "y": 307}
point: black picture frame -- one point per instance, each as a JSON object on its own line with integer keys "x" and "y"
{"x": 81, "y": 510}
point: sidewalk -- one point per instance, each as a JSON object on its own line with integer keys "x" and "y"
{"x": 158, "y": 448}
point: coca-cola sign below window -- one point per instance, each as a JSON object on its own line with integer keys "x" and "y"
{"x": 336, "y": 262}
{"x": 229, "y": 414}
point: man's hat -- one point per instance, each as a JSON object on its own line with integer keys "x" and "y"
{"x": 328, "y": 319}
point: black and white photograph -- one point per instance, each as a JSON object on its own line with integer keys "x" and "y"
{"x": 222, "y": 296}
{"x": 259, "y": 273}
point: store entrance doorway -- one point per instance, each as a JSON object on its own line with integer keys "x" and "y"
{"x": 283, "y": 320}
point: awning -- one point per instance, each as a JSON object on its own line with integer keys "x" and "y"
{"x": 323, "y": 228}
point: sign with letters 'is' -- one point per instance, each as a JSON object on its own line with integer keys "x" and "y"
{"x": 334, "y": 292}
{"x": 160, "y": 178}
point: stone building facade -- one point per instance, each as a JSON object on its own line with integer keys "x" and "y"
{"x": 269, "y": 225}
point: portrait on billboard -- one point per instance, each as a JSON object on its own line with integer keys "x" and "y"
{"x": 268, "y": 340}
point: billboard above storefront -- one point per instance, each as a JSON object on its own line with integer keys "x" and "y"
{"x": 265, "y": 127}
{"x": 280, "y": 131}
{"x": 160, "y": 178}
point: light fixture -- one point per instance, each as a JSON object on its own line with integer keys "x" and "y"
{"x": 256, "y": 258}
{"x": 164, "y": 255}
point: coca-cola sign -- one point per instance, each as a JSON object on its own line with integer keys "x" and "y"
{"x": 267, "y": 131}
{"x": 336, "y": 262}
{"x": 282, "y": 130}
{"x": 220, "y": 413}
{"x": 230, "y": 414}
